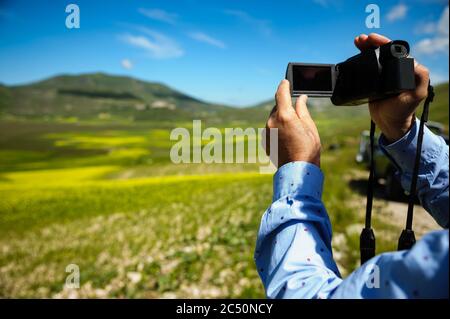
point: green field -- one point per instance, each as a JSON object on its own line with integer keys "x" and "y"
{"x": 105, "y": 196}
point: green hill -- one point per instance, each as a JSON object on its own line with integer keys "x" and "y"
{"x": 99, "y": 95}
{"x": 439, "y": 108}
{"x": 108, "y": 97}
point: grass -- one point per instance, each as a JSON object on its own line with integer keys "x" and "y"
{"x": 106, "y": 197}
{"x": 136, "y": 230}
{"x": 145, "y": 226}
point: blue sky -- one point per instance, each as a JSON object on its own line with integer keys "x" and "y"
{"x": 225, "y": 51}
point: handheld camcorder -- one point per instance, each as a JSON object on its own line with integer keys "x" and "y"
{"x": 374, "y": 74}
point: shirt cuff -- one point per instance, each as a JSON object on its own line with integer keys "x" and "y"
{"x": 301, "y": 178}
{"x": 403, "y": 151}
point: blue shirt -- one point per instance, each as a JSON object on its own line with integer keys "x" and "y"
{"x": 293, "y": 251}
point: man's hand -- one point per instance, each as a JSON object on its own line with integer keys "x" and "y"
{"x": 395, "y": 116}
{"x": 298, "y": 138}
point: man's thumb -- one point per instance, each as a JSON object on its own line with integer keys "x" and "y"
{"x": 301, "y": 108}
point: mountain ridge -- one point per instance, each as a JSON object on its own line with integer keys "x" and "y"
{"x": 105, "y": 96}
{"x": 97, "y": 94}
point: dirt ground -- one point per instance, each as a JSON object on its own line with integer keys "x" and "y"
{"x": 395, "y": 212}
{"x": 391, "y": 212}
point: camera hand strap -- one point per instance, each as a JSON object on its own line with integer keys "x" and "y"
{"x": 367, "y": 238}
{"x": 407, "y": 238}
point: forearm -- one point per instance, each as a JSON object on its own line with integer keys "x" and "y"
{"x": 432, "y": 186}
{"x": 293, "y": 251}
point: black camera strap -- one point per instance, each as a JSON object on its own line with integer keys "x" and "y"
{"x": 367, "y": 238}
{"x": 407, "y": 238}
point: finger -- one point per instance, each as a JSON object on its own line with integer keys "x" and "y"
{"x": 300, "y": 107}
{"x": 359, "y": 41}
{"x": 283, "y": 97}
{"x": 376, "y": 40}
{"x": 422, "y": 80}
{"x": 372, "y": 40}
{"x": 270, "y": 121}
{"x": 356, "y": 42}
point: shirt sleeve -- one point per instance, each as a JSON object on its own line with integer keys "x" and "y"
{"x": 293, "y": 251}
{"x": 432, "y": 183}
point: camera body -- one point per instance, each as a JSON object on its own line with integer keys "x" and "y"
{"x": 374, "y": 74}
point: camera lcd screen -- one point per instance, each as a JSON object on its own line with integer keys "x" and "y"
{"x": 312, "y": 78}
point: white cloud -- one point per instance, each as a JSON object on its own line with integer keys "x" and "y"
{"x": 430, "y": 27}
{"x": 443, "y": 22}
{"x": 397, "y": 12}
{"x": 263, "y": 26}
{"x": 425, "y": 28}
{"x": 203, "y": 37}
{"x": 438, "y": 43}
{"x": 160, "y": 15}
{"x": 126, "y": 64}
{"x": 157, "y": 45}
{"x": 430, "y": 46}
